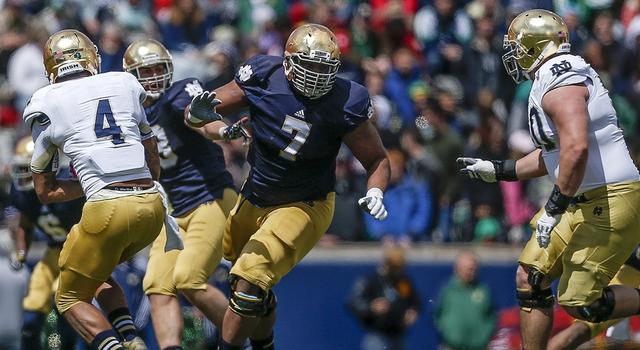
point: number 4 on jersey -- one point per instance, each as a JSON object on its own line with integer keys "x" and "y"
{"x": 106, "y": 125}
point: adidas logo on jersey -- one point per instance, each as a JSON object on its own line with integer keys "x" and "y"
{"x": 299, "y": 114}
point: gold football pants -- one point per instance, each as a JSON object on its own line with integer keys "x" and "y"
{"x": 264, "y": 244}
{"x": 190, "y": 268}
{"x": 590, "y": 243}
{"x": 42, "y": 284}
{"x": 110, "y": 231}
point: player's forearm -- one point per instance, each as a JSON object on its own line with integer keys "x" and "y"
{"x": 212, "y": 130}
{"x": 152, "y": 157}
{"x": 531, "y": 166}
{"x": 573, "y": 163}
{"x": 51, "y": 190}
{"x": 21, "y": 239}
{"x": 378, "y": 174}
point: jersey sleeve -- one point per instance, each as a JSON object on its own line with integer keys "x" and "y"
{"x": 358, "y": 108}
{"x": 564, "y": 71}
{"x": 36, "y": 108}
{"x": 255, "y": 71}
{"x": 45, "y": 153}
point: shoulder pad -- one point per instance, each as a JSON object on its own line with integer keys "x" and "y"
{"x": 257, "y": 69}
{"x": 563, "y": 70}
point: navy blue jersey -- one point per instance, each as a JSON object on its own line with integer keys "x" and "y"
{"x": 55, "y": 219}
{"x": 295, "y": 139}
{"x": 193, "y": 168}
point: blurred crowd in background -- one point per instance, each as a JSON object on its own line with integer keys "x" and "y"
{"x": 432, "y": 67}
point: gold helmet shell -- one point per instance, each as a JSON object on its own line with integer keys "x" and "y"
{"x": 21, "y": 164}
{"x": 533, "y": 36}
{"x": 145, "y": 53}
{"x": 311, "y": 60}
{"x": 68, "y": 52}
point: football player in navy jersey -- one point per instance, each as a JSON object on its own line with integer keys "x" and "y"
{"x": 200, "y": 191}
{"x": 300, "y": 114}
{"x": 54, "y": 220}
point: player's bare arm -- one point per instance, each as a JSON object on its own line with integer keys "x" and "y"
{"x": 152, "y": 157}
{"x": 531, "y": 166}
{"x": 367, "y": 147}
{"x": 21, "y": 230}
{"x": 567, "y": 107}
{"x": 52, "y": 190}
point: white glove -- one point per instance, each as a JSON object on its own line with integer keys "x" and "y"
{"x": 16, "y": 260}
{"x": 477, "y": 168}
{"x": 203, "y": 108}
{"x": 372, "y": 204}
{"x": 544, "y": 226}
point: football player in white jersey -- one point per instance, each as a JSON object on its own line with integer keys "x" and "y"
{"x": 590, "y": 224}
{"x": 98, "y": 121}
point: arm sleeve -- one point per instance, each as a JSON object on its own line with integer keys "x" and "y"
{"x": 255, "y": 72}
{"x": 358, "y": 109}
{"x": 45, "y": 153}
{"x": 359, "y": 299}
{"x": 139, "y": 95}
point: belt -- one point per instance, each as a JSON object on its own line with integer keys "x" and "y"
{"x": 128, "y": 188}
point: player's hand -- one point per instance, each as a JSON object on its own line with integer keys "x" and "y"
{"x": 17, "y": 259}
{"x": 544, "y": 226}
{"x": 236, "y": 131}
{"x": 380, "y": 306}
{"x": 372, "y": 204}
{"x": 477, "y": 168}
{"x": 203, "y": 109}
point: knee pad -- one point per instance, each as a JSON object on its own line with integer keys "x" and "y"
{"x": 247, "y": 304}
{"x": 601, "y": 309}
{"x": 537, "y": 297}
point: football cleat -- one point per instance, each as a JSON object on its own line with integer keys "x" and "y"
{"x": 142, "y": 58}
{"x": 532, "y": 37}
{"x": 311, "y": 60}
{"x": 69, "y": 52}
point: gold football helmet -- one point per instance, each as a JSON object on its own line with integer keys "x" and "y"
{"x": 68, "y": 52}
{"x": 311, "y": 60}
{"x": 21, "y": 164}
{"x": 532, "y": 37}
{"x": 141, "y": 57}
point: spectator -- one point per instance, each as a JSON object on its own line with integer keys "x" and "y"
{"x": 386, "y": 303}
{"x": 483, "y": 56}
{"x": 409, "y": 202}
{"x": 443, "y": 30}
{"x": 184, "y": 26}
{"x": 111, "y": 48}
{"x": 403, "y": 73}
{"x": 25, "y": 70}
{"x": 464, "y": 313}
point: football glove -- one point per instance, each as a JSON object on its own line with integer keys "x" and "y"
{"x": 489, "y": 170}
{"x": 17, "y": 259}
{"x": 203, "y": 109}
{"x": 477, "y": 168}
{"x": 372, "y": 204}
{"x": 235, "y": 131}
{"x": 544, "y": 226}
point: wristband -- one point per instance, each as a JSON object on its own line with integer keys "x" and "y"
{"x": 558, "y": 202}
{"x": 193, "y": 120}
{"x": 374, "y": 192}
{"x": 20, "y": 255}
{"x": 505, "y": 170}
{"x": 222, "y": 132}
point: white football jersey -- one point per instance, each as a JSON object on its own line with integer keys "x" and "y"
{"x": 608, "y": 161}
{"x": 98, "y": 122}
